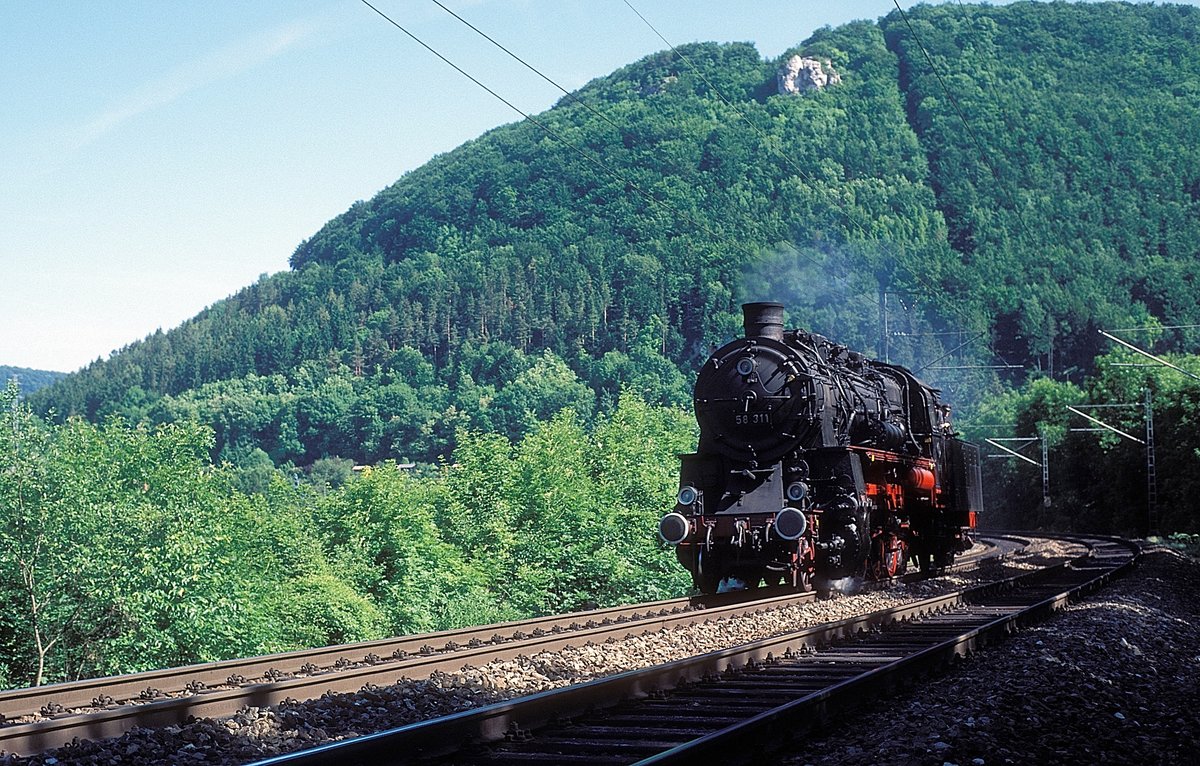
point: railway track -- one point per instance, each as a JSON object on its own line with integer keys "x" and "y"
{"x": 738, "y": 704}
{"x": 42, "y": 718}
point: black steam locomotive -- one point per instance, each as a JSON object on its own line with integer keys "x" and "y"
{"x": 815, "y": 464}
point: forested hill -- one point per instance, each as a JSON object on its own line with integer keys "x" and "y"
{"x": 1071, "y": 182}
{"x": 1027, "y": 172}
{"x": 28, "y": 380}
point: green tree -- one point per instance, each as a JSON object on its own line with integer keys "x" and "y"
{"x": 381, "y": 532}
{"x": 41, "y": 587}
{"x": 547, "y": 387}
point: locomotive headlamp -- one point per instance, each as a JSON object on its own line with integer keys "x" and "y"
{"x": 790, "y": 524}
{"x": 746, "y": 365}
{"x": 673, "y": 528}
{"x": 688, "y": 495}
{"x": 797, "y": 491}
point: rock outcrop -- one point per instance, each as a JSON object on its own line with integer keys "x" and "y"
{"x": 800, "y": 74}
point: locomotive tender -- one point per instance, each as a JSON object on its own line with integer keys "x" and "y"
{"x": 815, "y": 464}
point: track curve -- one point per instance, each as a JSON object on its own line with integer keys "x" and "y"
{"x": 766, "y": 691}
{"x": 47, "y": 717}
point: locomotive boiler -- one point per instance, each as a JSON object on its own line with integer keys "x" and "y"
{"x": 816, "y": 463}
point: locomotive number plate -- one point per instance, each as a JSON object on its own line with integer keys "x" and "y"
{"x": 752, "y": 419}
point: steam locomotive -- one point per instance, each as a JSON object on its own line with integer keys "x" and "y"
{"x": 815, "y": 464}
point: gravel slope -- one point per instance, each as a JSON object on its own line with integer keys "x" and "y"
{"x": 1111, "y": 680}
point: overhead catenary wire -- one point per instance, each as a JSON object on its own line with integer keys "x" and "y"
{"x": 951, "y": 351}
{"x": 570, "y": 96}
{"x": 525, "y": 115}
{"x": 681, "y": 215}
{"x": 1152, "y": 328}
{"x": 587, "y": 106}
{"x": 594, "y": 161}
{"x": 1147, "y": 354}
{"x": 933, "y": 291}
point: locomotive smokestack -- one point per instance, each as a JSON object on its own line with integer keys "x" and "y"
{"x": 763, "y": 320}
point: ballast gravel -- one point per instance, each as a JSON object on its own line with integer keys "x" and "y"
{"x": 1114, "y": 679}
{"x": 1000, "y": 726}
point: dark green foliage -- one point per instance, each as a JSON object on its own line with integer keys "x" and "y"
{"x": 515, "y": 245}
{"x": 1097, "y": 478}
{"x": 330, "y": 473}
{"x": 322, "y": 610}
{"x": 566, "y": 518}
{"x": 123, "y": 549}
{"x": 513, "y": 279}
{"x": 1073, "y": 197}
{"x": 29, "y": 380}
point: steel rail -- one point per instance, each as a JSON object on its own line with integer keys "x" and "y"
{"x": 103, "y": 719}
{"x": 75, "y": 694}
{"x": 989, "y": 610}
{"x": 108, "y": 707}
{"x": 58, "y": 698}
{"x": 1059, "y": 585}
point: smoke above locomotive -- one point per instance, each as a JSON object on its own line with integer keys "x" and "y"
{"x": 816, "y": 463}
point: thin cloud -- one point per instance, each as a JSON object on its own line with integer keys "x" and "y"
{"x": 218, "y": 65}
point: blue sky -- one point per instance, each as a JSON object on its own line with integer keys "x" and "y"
{"x": 158, "y": 156}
